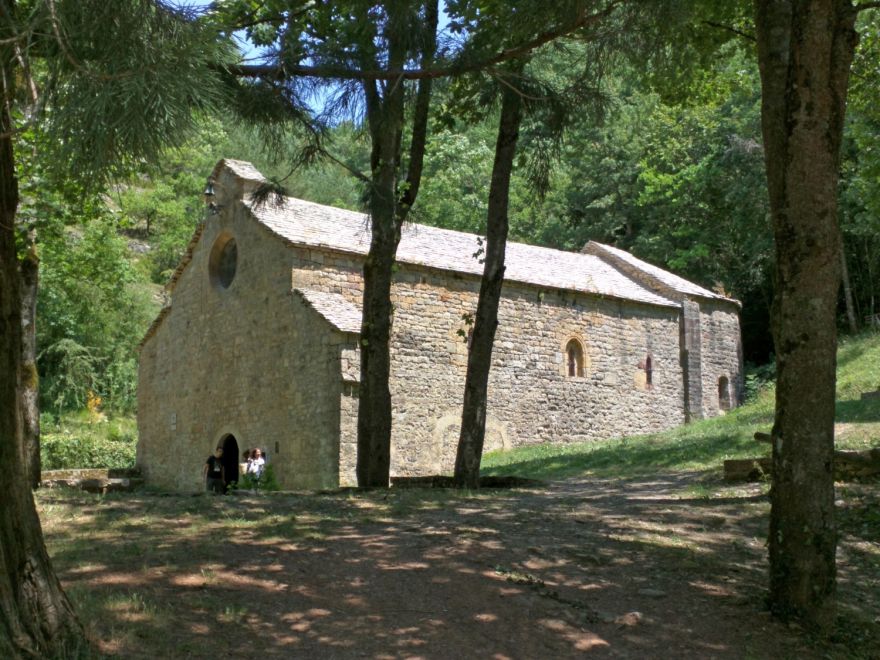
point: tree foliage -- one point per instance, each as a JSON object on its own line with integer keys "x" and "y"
{"x": 103, "y": 85}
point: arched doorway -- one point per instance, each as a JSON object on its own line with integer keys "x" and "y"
{"x": 230, "y": 458}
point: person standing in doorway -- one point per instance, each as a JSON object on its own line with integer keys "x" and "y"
{"x": 215, "y": 476}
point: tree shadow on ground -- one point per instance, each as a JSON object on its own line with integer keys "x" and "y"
{"x": 856, "y": 410}
{"x": 614, "y": 567}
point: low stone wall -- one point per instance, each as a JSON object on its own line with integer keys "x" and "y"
{"x": 92, "y": 480}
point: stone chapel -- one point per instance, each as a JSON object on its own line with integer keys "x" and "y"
{"x": 257, "y": 345}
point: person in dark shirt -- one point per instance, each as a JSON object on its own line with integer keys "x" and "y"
{"x": 215, "y": 476}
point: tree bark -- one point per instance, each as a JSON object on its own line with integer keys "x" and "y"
{"x": 385, "y": 118}
{"x": 36, "y": 619}
{"x": 30, "y": 381}
{"x": 805, "y": 48}
{"x": 473, "y": 415}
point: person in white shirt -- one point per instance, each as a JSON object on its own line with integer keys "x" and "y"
{"x": 256, "y": 463}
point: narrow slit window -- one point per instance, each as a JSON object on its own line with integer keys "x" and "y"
{"x": 724, "y": 393}
{"x": 574, "y": 354}
{"x": 649, "y": 371}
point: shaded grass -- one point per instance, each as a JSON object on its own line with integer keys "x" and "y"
{"x": 700, "y": 446}
{"x": 706, "y": 444}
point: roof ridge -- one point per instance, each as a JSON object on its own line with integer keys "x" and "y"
{"x": 660, "y": 277}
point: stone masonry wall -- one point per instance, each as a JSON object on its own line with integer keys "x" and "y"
{"x": 255, "y": 361}
{"x": 250, "y": 359}
{"x": 691, "y": 342}
{"x": 722, "y": 354}
{"x": 532, "y": 400}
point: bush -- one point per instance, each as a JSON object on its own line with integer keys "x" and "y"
{"x": 70, "y": 450}
{"x": 758, "y": 378}
{"x": 266, "y": 482}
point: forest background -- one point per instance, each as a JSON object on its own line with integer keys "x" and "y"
{"x": 676, "y": 177}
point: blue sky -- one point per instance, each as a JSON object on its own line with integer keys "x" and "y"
{"x": 247, "y": 49}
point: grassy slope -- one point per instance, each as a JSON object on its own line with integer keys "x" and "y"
{"x": 706, "y": 444}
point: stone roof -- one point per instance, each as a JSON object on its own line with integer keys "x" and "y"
{"x": 240, "y": 169}
{"x": 314, "y": 225}
{"x": 599, "y": 269}
{"x": 663, "y": 277}
{"x": 339, "y": 312}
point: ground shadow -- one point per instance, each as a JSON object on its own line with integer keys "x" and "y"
{"x": 635, "y": 567}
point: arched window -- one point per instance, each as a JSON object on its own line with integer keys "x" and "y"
{"x": 649, "y": 371}
{"x": 574, "y": 356}
{"x": 223, "y": 261}
{"x": 724, "y": 393}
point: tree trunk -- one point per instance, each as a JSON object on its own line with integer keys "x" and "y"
{"x": 385, "y": 119}
{"x": 805, "y": 48}
{"x": 36, "y": 619}
{"x": 374, "y": 397}
{"x": 30, "y": 408}
{"x": 388, "y": 210}
{"x": 473, "y": 415}
{"x": 851, "y": 316}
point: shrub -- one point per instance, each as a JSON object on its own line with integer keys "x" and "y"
{"x": 267, "y": 481}
{"x": 758, "y": 378}
{"x": 69, "y": 450}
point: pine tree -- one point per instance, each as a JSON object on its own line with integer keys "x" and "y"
{"x": 117, "y": 81}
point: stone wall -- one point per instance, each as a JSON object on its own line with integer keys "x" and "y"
{"x": 250, "y": 359}
{"x": 691, "y": 344}
{"x": 532, "y": 400}
{"x": 722, "y": 354}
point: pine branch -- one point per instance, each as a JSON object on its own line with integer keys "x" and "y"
{"x": 282, "y": 72}
{"x": 730, "y": 28}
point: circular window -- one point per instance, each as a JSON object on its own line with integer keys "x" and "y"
{"x": 223, "y": 262}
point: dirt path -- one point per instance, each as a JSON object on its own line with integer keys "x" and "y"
{"x": 618, "y": 569}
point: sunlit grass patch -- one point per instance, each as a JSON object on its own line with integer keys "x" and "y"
{"x": 133, "y": 607}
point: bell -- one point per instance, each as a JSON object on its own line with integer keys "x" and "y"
{"x": 209, "y": 191}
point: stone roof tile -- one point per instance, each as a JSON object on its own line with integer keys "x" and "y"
{"x": 666, "y": 278}
{"x": 315, "y": 225}
{"x": 240, "y": 168}
{"x": 339, "y": 312}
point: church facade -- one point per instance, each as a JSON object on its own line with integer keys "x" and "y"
{"x": 257, "y": 345}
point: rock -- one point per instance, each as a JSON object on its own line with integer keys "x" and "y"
{"x": 104, "y": 486}
{"x": 652, "y": 593}
{"x": 629, "y": 619}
